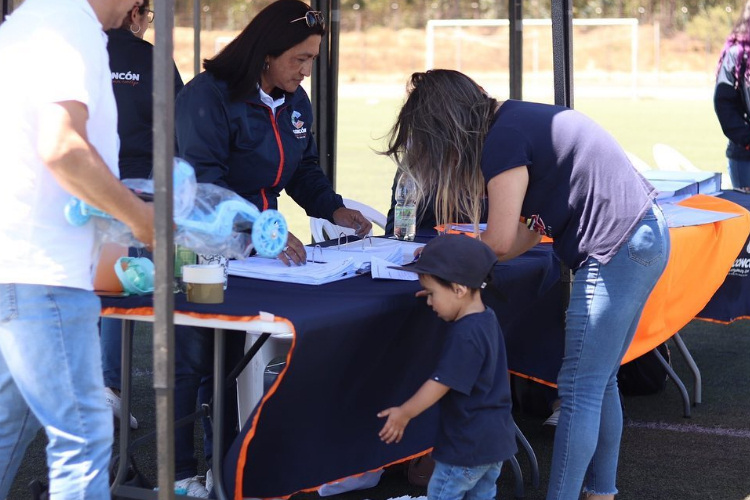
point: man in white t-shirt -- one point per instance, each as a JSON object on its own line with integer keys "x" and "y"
{"x": 58, "y": 138}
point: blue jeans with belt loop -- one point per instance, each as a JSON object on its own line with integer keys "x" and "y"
{"x": 605, "y": 306}
{"x": 51, "y": 377}
{"x": 456, "y": 482}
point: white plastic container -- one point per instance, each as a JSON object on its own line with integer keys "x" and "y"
{"x": 204, "y": 284}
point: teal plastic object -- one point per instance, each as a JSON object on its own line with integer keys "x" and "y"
{"x": 136, "y": 275}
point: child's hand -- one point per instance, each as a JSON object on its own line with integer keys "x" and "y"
{"x": 393, "y": 430}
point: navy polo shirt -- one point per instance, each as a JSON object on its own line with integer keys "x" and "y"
{"x": 476, "y": 426}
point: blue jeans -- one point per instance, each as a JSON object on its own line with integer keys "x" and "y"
{"x": 51, "y": 377}
{"x": 605, "y": 306}
{"x": 455, "y": 482}
{"x": 111, "y": 343}
{"x": 739, "y": 173}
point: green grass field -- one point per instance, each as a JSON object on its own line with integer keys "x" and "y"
{"x": 690, "y": 126}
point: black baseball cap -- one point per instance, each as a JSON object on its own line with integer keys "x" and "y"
{"x": 456, "y": 258}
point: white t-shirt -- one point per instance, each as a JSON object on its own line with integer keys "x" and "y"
{"x": 50, "y": 51}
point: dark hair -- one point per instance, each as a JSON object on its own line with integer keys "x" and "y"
{"x": 438, "y": 139}
{"x": 270, "y": 33}
{"x": 141, "y": 10}
{"x": 449, "y": 284}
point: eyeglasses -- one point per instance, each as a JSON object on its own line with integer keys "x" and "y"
{"x": 148, "y": 12}
{"x": 312, "y": 18}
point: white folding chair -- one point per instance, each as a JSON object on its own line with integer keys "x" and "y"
{"x": 323, "y": 230}
{"x": 668, "y": 158}
{"x": 639, "y": 164}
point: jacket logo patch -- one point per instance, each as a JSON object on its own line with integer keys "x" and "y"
{"x": 299, "y": 126}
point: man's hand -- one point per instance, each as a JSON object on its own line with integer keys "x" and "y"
{"x": 354, "y": 219}
{"x": 142, "y": 226}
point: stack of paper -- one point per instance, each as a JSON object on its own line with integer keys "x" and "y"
{"x": 327, "y": 264}
{"x": 312, "y": 273}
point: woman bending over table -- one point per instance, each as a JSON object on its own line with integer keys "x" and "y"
{"x": 553, "y": 171}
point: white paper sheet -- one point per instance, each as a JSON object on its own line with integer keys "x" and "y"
{"x": 380, "y": 269}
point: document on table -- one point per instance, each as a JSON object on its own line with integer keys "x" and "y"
{"x": 327, "y": 264}
{"x": 468, "y": 228}
{"x": 381, "y": 269}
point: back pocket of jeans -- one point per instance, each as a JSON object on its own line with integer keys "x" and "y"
{"x": 644, "y": 245}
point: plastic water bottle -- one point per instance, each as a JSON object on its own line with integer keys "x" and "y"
{"x": 182, "y": 257}
{"x": 405, "y": 211}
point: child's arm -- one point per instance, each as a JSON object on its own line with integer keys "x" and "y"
{"x": 399, "y": 416}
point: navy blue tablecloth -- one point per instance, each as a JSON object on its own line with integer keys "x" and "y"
{"x": 732, "y": 300}
{"x": 362, "y": 345}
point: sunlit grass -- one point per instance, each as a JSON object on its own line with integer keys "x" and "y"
{"x": 690, "y": 126}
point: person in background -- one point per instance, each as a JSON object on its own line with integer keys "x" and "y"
{"x": 58, "y": 139}
{"x": 131, "y": 63}
{"x": 245, "y": 124}
{"x": 548, "y": 170}
{"x": 732, "y": 100}
{"x": 476, "y": 431}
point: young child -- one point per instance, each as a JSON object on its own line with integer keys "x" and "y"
{"x": 476, "y": 431}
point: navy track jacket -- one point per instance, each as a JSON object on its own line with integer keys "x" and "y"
{"x": 243, "y": 147}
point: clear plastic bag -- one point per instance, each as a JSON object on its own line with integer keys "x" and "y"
{"x": 209, "y": 219}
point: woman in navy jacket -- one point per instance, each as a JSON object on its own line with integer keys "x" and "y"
{"x": 246, "y": 124}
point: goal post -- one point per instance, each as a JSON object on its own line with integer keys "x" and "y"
{"x": 471, "y": 30}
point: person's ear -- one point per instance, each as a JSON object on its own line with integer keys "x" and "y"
{"x": 459, "y": 290}
{"x": 134, "y": 14}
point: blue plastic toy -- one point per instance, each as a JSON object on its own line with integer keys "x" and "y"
{"x": 208, "y": 215}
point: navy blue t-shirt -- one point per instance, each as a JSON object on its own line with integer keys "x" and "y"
{"x": 476, "y": 426}
{"x": 581, "y": 183}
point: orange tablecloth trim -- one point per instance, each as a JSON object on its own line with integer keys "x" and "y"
{"x": 699, "y": 261}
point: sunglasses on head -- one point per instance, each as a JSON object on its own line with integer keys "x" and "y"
{"x": 312, "y": 18}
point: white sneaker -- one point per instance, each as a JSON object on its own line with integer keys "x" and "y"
{"x": 552, "y": 419}
{"x": 209, "y": 481}
{"x": 114, "y": 402}
{"x": 192, "y": 487}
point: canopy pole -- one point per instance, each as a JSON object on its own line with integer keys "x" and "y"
{"x": 515, "y": 42}
{"x": 163, "y": 157}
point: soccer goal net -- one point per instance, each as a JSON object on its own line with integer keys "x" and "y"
{"x": 605, "y": 52}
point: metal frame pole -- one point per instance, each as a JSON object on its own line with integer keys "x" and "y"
{"x": 515, "y": 42}
{"x": 163, "y": 129}
{"x": 562, "y": 51}
{"x": 196, "y": 37}
{"x": 325, "y": 87}
{"x": 562, "y": 54}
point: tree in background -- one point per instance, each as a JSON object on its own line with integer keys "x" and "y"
{"x": 672, "y": 15}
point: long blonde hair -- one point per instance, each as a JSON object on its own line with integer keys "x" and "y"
{"x": 438, "y": 139}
